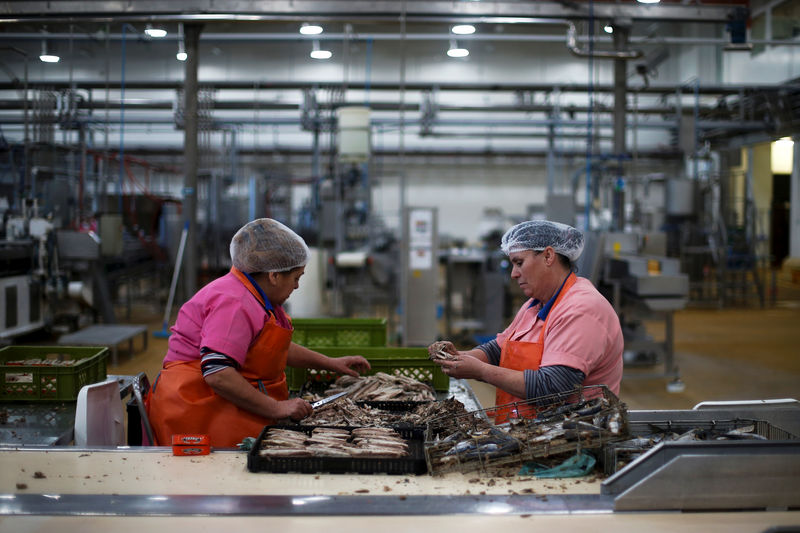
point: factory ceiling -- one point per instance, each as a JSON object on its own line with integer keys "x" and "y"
{"x": 254, "y": 10}
{"x": 95, "y": 34}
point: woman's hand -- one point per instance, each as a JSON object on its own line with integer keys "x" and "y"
{"x": 463, "y": 366}
{"x": 294, "y": 409}
{"x": 350, "y": 365}
{"x": 441, "y": 350}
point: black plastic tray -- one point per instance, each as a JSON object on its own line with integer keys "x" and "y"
{"x": 413, "y": 463}
{"x": 393, "y": 405}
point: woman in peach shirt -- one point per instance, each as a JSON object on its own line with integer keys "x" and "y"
{"x": 566, "y": 334}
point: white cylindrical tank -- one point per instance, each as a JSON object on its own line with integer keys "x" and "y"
{"x": 680, "y": 197}
{"x": 307, "y": 300}
{"x": 354, "y": 133}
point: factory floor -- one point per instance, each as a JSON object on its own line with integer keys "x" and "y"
{"x": 721, "y": 354}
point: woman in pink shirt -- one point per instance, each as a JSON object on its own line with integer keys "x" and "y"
{"x": 223, "y": 374}
{"x": 566, "y": 334}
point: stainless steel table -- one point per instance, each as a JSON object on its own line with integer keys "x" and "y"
{"x": 110, "y": 335}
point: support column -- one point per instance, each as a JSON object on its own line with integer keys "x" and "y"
{"x": 190, "y": 154}
{"x": 794, "y": 208}
{"x": 621, "y": 32}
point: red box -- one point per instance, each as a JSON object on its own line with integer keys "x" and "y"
{"x": 184, "y": 439}
{"x": 184, "y": 445}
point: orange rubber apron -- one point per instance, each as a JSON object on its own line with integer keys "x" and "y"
{"x": 182, "y": 401}
{"x": 520, "y": 355}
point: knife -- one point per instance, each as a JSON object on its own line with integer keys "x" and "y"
{"x": 329, "y": 399}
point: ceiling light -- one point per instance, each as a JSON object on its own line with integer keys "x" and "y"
{"x": 321, "y": 54}
{"x": 455, "y": 51}
{"x": 156, "y": 33}
{"x": 463, "y": 29}
{"x": 608, "y": 28}
{"x": 649, "y": 1}
{"x": 310, "y": 29}
{"x": 316, "y": 53}
{"x": 48, "y": 57}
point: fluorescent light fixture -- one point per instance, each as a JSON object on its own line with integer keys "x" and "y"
{"x": 316, "y": 53}
{"x": 455, "y": 51}
{"x": 310, "y": 29}
{"x": 156, "y": 33}
{"x": 321, "y": 54}
{"x": 648, "y": 1}
{"x": 181, "y": 55}
{"x": 608, "y": 28}
{"x": 782, "y": 156}
{"x": 463, "y": 29}
{"x": 48, "y": 57}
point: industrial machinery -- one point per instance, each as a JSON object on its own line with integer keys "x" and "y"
{"x": 475, "y": 300}
{"x": 26, "y": 256}
{"x": 643, "y": 285}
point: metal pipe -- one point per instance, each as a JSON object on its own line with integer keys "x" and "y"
{"x": 243, "y": 105}
{"x": 600, "y": 54}
{"x": 752, "y": 125}
{"x": 418, "y": 86}
{"x": 363, "y": 37}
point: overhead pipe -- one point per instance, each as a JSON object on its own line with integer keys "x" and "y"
{"x": 494, "y": 37}
{"x": 753, "y": 125}
{"x": 665, "y": 89}
{"x": 248, "y": 105}
{"x": 572, "y": 44}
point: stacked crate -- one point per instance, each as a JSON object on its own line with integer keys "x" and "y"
{"x": 337, "y": 337}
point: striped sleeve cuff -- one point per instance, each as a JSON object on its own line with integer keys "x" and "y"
{"x": 492, "y": 351}
{"x": 551, "y": 380}
{"x": 212, "y": 362}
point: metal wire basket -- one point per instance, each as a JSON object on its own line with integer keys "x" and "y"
{"x": 647, "y": 434}
{"x": 553, "y": 425}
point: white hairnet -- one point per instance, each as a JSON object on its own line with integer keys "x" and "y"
{"x": 266, "y": 245}
{"x": 539, "y": 234}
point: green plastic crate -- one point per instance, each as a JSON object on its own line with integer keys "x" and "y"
{"x": 409, "y": 362}
{"x": 328, "y": 332}
{"x": 32, "y": 383}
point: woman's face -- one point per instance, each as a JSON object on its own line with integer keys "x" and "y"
{"x": 527, "y": 269}
{"x": 285, "y": 284}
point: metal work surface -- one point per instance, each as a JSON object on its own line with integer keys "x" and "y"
{"x": 461, "y": 391}
{"x": 110, "y": 335}
{"x": 704, "y": 481}
{"x": 710, "y": 475}
{"x": 247, "y": 505}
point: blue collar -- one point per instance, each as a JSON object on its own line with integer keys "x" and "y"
{"x": 542, "y": 314}
{"x": 256, "y": 286}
